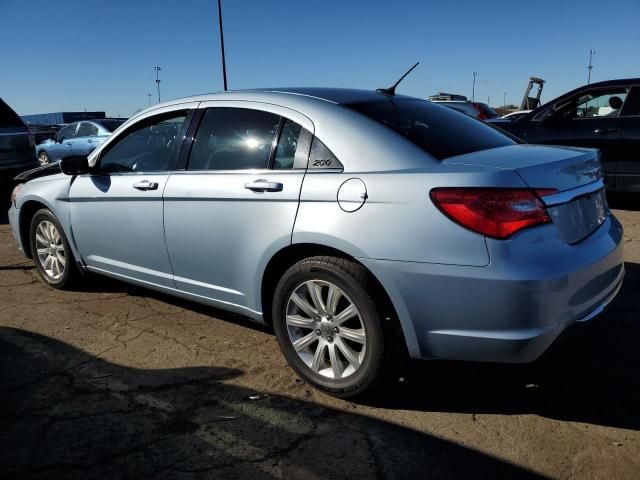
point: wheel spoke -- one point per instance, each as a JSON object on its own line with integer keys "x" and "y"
{"x": 315, "y": 292}
{"x": 318, "y": 356}
{"x": 336, "y": 364}
{"x": 43, "y": 234}
{"x": 42, "y": 251}
{"x": 349, "y": 354}
{"x": 304, "y": 342}
{"x": 346, "y": 314}
{"x": 61, "y": 258}
{"x": 298, "y": 321}
{"x": 55, "y": 268}
{"x": 304, "y": 305}
{"x": 355, "y": 335}
{"x": 47, "y": 263}
{"x": 333, "y": 296}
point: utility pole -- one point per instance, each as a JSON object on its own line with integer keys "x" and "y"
{"x": 590, "y": 67}
{"x": 504, "y": 100}
{"x": 157, "y": 69}
{"x": 473, "y": 91}
{"x": 224, "y": 62}
{"x": 149, "y": 98}
{"x": 488, "y": 101}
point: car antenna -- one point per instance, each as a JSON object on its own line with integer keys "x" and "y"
{"x": 392, "y": 90}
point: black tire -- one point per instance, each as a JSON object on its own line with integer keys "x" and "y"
{"x": 354, "y": 280}
{"x": 69, "y": 272}
{"x": 43, "y": 158}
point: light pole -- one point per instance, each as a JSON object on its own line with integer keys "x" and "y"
{"x": 504, "y": 100}
{"x": 473, "y": 90}
{"x": 149, "y": 98}
{"x": 488, "y": 101}
{"x": 157, "y": 69}
{"x": 590, "y": 67}
{"x": 224, "y": 62}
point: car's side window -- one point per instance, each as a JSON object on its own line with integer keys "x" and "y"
{"x": 293, "y": 147}
{"x": 67, "y": 132}
{"x": 598, "y": 103}
{"x": 233, "y": 139}
{"x": 150, "y": 146}
{"x": 322, "y": 157}
{"x": 87, "y": 130}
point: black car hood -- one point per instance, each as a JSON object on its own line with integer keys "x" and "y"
{"x": 45, "y": 170}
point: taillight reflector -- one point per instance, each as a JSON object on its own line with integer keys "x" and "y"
{"x": 494, "y": 212}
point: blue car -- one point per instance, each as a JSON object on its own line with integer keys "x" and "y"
{"x": 78, "y": 138}
{"x": 349, "y": 220}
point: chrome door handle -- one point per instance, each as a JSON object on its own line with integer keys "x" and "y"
{"x": 264, "y": 186}
{"x": 146, "y": 185}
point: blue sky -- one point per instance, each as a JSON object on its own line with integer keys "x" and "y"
{"x": 99, "y": 54}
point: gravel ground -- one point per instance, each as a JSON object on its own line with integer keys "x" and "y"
{"x": 113, "y": 381}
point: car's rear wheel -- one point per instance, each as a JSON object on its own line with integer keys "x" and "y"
{"x": 328, "y": 326}
{"x": 43, "y": 158}
{"x": 50, "y": 250}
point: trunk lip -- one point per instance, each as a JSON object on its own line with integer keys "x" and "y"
{"x": 567, "y": 196}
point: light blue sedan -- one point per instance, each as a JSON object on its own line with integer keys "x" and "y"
{"x": 349, "y": 220}
{"x": 78, "y": 138}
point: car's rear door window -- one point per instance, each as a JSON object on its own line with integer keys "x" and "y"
{"x": 441, "y": 132}
{"x": 87, "y": 130}
{"x": 235, "y": 139}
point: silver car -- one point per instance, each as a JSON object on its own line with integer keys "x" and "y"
{"x": 346, "y": 219}
{"x": 78, "y": 138}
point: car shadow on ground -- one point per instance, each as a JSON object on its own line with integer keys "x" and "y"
{"x": 68, "y": 414}
{"x": 589, "y": 375}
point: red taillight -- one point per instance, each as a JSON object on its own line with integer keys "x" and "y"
{"x": 494, "y": 212}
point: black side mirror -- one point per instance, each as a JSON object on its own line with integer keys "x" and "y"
{"x": 74, "y": 165}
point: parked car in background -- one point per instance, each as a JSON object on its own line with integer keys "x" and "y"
{"x": 78, "y": 138}
{"x": 350, "y": 220}
{"x": 473, "y": 109}
{"x": 604, "y": 115}
{"x": 45, "y": 132}
{"x": 17, "y": 144}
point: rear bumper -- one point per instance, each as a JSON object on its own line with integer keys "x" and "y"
{"x": 512, "y": 310}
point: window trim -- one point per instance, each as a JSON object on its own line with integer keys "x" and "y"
{"x": 143, "y": 123}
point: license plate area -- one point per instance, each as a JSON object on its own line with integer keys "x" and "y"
{"x": 580, "y": 217}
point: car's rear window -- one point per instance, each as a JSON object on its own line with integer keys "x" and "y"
{"x": 440, "y": 131}
{"x": 9, "y": 118}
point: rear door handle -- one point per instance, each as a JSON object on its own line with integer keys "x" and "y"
{"x": 145, "y": 185}
{"x": 263, "y": 186}
{"x": 600, "y": 131}
{"x": 69, "y": 143}
{"x": 89, "y": 141}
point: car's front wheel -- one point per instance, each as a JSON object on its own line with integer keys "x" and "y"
{"x": 50, "y": 250}
{"x": 43, "y": 158}
{"x": 328, "y": 326}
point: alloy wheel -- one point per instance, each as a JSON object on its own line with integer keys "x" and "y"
{"x": 325, "y": 329}
{"x": 50, "y": 250}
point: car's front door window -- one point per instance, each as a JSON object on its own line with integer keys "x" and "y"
{"x": 234, "y": 139}
{"x": 598, "y": 104}
{"x": 67, "y": 132}
{"x": 150, "y": 147}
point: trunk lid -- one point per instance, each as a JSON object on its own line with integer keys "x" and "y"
{"x": 578, "y": 205}
{"x": 562, "y": 168}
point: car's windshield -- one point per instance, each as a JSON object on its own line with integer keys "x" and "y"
{"x": 441, "y": 132}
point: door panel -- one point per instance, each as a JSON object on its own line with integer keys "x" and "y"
{"x": 118, "y": 227}
{"x": 233, "y": 231}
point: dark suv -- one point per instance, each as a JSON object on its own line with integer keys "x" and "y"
{"x": 603, "y": 115}
{"x": 17, "y": 144}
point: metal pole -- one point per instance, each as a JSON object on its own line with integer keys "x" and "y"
{"x": 157, "y": 69}
{"x": 224, "y": 62}
{"x": 149, "y": 98}
{"x": 488, "y": 101}
{"x": 590, "y": 67}
{"x": 504, "y": 100}
{"x": 473, "y": 91}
